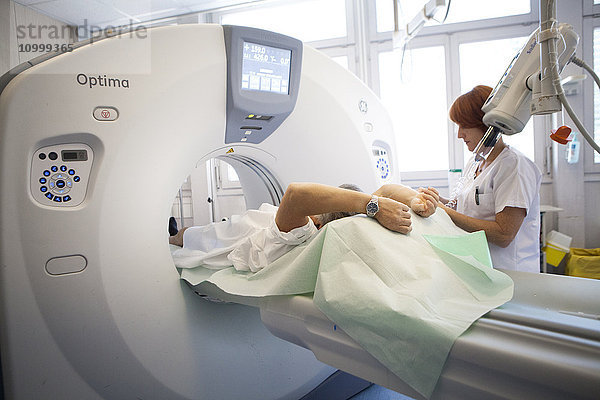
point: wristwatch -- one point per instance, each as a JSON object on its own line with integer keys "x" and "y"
{"x": 373, "y": 206}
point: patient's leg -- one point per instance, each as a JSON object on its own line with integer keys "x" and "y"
{"x": 177, "y": 239}
{"x": 172, "y": 226}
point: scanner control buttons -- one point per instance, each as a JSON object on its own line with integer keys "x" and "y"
{"x": 60, "y": 174}
{"x": 382, "y": 163}
{"x": 383, "y": 168}
{"x": 59, "y": 184}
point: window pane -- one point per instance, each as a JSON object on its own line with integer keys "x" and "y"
{"x": 460, "y": 11}
{"x": 596, "y": 92}
{"x": 307, "y": 20}
{"x": 473, "y": 10}
{"x": 232, "y": 176}
{"x": 342, "y": 60}
{"x": 417, "y": 104}
{"x": 483, "y": 63}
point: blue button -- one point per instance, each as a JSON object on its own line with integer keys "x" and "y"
{"x": 66, "y": 198}
{"x": 42, "y": 180}
{"x": 58, "y": 199}
{"x": 46, "y": 173}
{"x": 63, "y": 168}
{"x": 51, "y": 184}
{"x": 76, "y": 179}
{"x": 54, "y": 168}
{"x": 44, "y": 189}
{"x": 71, "y": 172}
{"x": 49, "y": 195}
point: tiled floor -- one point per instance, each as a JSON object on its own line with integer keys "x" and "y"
{"x": 379, "y": 393}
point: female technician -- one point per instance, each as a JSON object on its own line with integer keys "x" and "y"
{"x": 502, "y": 198}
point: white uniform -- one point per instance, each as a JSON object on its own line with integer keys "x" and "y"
{"x": 511, "y": 180}
{"x": 249, "y": 242}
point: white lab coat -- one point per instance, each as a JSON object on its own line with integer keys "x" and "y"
{"x": 511, "y": 180}
{"x": 249, "y": 242}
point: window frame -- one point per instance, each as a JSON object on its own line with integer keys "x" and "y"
{"x": 590, "y": 22}
{"x": 589, "y": 8}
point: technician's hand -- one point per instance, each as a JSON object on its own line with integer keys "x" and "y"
{"x": 393, "y": 215}
{"x": 425, "y": 202}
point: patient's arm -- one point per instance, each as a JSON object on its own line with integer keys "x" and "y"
{"x": 422, "y": 203}
{"x": 302, "y": 200}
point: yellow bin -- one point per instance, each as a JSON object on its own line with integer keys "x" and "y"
{"x": 555, "y": 255}
{"x": 557, "y": 247}
{"x": 584, "y": 263}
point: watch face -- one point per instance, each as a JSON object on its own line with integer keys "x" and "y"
{"x": 372, "y": 208}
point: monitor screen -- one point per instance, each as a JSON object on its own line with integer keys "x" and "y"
{"x": 265, "y": 68}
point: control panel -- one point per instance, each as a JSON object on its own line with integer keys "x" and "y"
{"x": 60, "y": 174}
{"x": 382, "y": 163}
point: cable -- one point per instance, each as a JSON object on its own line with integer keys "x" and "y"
{"x": 590, "y": 70}
{"x": 565, "y": 102}
{"x": 447, "y": 10}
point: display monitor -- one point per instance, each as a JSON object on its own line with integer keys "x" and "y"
{"x": 263, "y": 81}
{"x": 265, "y": 68}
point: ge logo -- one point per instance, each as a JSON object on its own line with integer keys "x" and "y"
{"x": 105, "y": 113}
{"x": 362, "y": 106}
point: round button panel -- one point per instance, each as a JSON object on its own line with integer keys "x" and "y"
{"x": 59, "y": 185}
{"x": 60, "y": 173}
{"x": 381, "y": 161}
{"x": 383, "y": 167}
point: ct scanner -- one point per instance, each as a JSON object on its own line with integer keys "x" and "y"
{"x": 91, "y": 304}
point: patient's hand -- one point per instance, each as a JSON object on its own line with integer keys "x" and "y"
{"x": 425, "y": 202}
{"x": 393, "y": 215}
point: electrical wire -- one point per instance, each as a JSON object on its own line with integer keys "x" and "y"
{"x": 565, "y": 102}
{"x": 555, "y": 77}
{"x": 579, "y": 62}
{"x": 447, "y": 10}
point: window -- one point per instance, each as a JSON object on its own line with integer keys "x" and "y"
{"x": 596, "y": 91}
{"x": 226, "y": 176}
{"x": 307, "y": 20}
{"x": 483, "y": 63}
{"x": 473, "y": 10}
{"x": 460, "y": 11}
{"x": 416, "y": 100}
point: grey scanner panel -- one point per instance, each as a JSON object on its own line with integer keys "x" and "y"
{"x": 268, "y": 108}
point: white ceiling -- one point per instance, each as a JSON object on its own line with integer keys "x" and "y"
{"x": 121, "y": 12}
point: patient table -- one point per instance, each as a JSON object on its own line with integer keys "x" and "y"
{"x": 94, "y": 144}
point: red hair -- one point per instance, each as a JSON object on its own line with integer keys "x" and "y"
{"x": 466, "y": 109}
